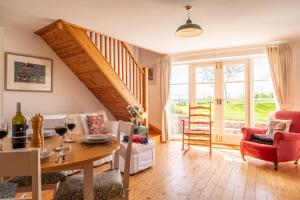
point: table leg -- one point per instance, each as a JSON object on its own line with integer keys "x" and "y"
{"x": 88, "y": 185}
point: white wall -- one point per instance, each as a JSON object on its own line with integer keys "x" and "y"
{"x": 149, "y": 58}
{"x": 69, "y": 94}
{"x": 146, "y": 59}
{"x": 296, "y": 75}
{"x": 134, "y": 50}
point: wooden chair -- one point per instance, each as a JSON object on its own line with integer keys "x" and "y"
{"x": 107, "y": 185}
{"x": 198, "y": 115}
{"x": 22, "y": 163}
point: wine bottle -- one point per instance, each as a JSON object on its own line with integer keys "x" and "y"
{"x": 19, "y": 127}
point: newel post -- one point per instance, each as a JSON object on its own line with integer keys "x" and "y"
{"x": 145, "y": 95}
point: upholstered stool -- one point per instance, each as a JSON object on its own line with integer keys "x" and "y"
{"x": 47, "y": 178}
{"x": 107, "y": 185}
{"x": 142, "y": 156}
{"x": 8, "y": 190}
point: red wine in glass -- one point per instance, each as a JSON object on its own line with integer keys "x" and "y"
{"x": 3, "y": 133}
{"x": 71, "y": 124}
{"x": 60, "y": 129}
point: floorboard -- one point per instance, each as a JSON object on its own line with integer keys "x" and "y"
{"x": 195, "y": 174}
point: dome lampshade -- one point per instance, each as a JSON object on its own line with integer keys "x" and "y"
{"x": 189, "y": 29}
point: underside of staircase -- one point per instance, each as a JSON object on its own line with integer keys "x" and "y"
{"x": 104, "y": 64}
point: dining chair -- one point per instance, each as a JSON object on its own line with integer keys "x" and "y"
{"x": 107, "y": 185}
{"x": 50, "y": 181}
{"x": 20, "y": 163}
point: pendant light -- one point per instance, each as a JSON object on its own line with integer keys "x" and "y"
{"x": 189, "y": 29}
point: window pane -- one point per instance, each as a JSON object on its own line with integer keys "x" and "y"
{"x": 178, "y": 107}
{"x": 205, "y": 74}
{"x": 261, "y": 69}
{"x": 205, "y": 91}
{"x": 234, "y": 116}
{"x": 179, "y": 74}
{"x": 179, "y": 92}
{"x": 264, "y": 101}
{"x": 235, "y": 72}
{"x": 262, "y": 109}
{"x": 234, "y": 90}
{"x": 234, "y": 110}
{"x": 263, "y": 89}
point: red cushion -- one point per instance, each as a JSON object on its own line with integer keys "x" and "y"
{"x": 96, "y": 124}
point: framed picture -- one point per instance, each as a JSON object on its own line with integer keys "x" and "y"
{"x": 152, "y": 74}
{"x": 27, "y": 73}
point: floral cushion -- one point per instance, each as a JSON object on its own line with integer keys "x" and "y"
{"x": 278, "y": 125}
{"x": 47, "y": 178}
{"x": 107, "y": 185}
{"x": 96, "y": 124}
{"x": 8, "y": 190}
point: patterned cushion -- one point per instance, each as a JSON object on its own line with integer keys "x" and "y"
{"x": 107, "y": 185}
{"x": 8, "y": 190}
{"x": 96, "y": 124}
{"x": 278, "y": 125}
{"x": 47, "y": 178}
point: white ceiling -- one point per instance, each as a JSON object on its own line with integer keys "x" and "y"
{"x": 151, "y": 23}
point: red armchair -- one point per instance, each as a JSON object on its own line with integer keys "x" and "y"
{"x": 286, "y": 146}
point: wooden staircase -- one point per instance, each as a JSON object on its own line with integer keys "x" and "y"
{"x": 104, "y": 64}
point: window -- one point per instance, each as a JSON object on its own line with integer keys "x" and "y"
{"x": 264, "y": 102}
{"x": 241, "y": 93}
{"x": 179, "y": 97}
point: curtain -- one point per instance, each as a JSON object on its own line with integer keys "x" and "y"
{"x": 280, "y": 60}
{"x": 165, "y": 76}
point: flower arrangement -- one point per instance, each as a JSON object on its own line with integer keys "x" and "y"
{"x": 136, "y": 113}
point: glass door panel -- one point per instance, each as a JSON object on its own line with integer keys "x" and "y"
{"x": 205, "y": 89}
{"x": 234, "y": 101}
{"x": 179, "y": 99}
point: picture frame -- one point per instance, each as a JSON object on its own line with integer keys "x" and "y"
{"x": 152, "y": 73}
{"x": 28, "y": 73}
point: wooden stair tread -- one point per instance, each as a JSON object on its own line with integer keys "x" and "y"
{"x": 80, "y": 54}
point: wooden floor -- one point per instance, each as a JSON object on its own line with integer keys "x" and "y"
{"x": 223, "y": 175}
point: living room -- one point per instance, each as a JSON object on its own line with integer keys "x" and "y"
{"x": 104, "y": 63}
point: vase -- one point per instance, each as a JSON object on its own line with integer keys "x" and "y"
{"x": 135, "y": 122}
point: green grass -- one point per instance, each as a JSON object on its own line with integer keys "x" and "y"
{"x": 233, "y": 110}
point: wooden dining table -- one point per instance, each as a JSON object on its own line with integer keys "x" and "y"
{"x": 79, "y": 156}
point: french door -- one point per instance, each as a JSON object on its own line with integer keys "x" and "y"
{"x": 226, "y": 86}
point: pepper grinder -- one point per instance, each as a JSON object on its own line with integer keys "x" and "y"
{"x": 37, "y": 139}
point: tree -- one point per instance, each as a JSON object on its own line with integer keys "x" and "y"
{"x": 230, "y": 74}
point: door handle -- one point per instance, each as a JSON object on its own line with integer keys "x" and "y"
{"x": 219, "y": 101}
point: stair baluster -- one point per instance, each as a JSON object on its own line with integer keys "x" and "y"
{"x": 122, "y": 62}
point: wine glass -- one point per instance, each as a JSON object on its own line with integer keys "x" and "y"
{"x": 70, "y": 124}
{"x": 3, "y": 133}
{"x": 60, "y": 129}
